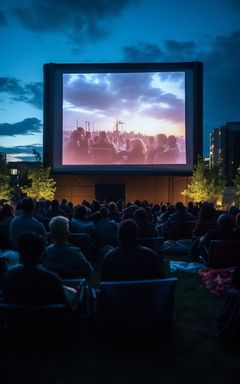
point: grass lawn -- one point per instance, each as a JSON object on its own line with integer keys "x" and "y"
{"x": 191, "y": 355}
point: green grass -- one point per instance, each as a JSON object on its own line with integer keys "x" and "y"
{"x": 192, "y": 354}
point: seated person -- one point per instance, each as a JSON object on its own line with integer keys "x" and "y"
{"x": 80, "y": 223}
{"x": 207, "y": 220}
{"x": 146, "y": 229}
{"x": 130, "y": 261}
{"x": 63, "y": 256}
{"x": 25, "y": 222}
{"x": 106, "y": 232}
{"x": 224, "y": 231}
{"x": 103, "y": 151}
{"x": 27, "y": 283}
{"x": 180, "y": 214}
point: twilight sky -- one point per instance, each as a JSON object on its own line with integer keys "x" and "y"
{"x": 35, "y": 32}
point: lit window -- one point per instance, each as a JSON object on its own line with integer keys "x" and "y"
{"x": 14, "y": 171}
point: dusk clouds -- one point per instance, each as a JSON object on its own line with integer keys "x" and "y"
{"x": 123, "y": 95}
{"x": 80, "y": 20}
{"x": 14, "y": 90}
{"x": 28, "y": 126}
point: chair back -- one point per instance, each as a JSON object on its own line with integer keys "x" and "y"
{"x": 141, "y": 305}
{"x": 34, "y": 320}
{"x": 181, "y": 230}
{"x": 224, "y": 253}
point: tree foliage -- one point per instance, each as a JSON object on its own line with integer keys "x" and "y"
{"x": 41, "y": 185}
{"x": 5, "y": 183}
{"x": 237, "y": 184}
{"x": 206, "y": 183}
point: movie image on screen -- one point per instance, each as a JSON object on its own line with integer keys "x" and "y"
{"x": 124, "y": 118}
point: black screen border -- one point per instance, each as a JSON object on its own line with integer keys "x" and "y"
{"x": 52, "y": 124}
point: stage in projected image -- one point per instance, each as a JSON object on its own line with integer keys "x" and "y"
{"x": 124, "y": 118}
{"x": 143, "y": 117}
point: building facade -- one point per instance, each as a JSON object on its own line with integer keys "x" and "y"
{"x": 225, "y": 149}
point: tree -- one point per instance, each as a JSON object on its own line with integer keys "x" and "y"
{"x": 236, "y": 182}
{"x": 41, "y": 185}
{"x": 206, "y": 184}
{"x": 5, "y": 183}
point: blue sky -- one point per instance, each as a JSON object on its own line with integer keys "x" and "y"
{"x": 36, "y": 32}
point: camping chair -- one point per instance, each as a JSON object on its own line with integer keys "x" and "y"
{"x": 141, "y": 306}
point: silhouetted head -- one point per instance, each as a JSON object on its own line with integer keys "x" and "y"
{"x": 128, "y": 232}
{"x": 172, "y": 141}
{"x": 81, "y": 212}
{"x": 162, "y": 139}
{"x": 74, "y": 135}
{"x": 179, "y": 207}
{"x": 31, "y": 249}
{"x": 80, "y": 131}
{"x": 207, "y": 211}
{"x": 59, "y": 228}
{"x": 104, "y": 211}
{"x": 225, "y": 222}
{"x": 103, "y": 136}
{"x": 28, "y": 205}
{"x": 112, "y": 206}
{"x": 140, "y": 214}
{"x": 233, "y": 210}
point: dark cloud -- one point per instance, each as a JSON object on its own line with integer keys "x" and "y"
{"x": 28, "y": 126}
{"x": 172, "y": 50}
{"x": 31, "y": 93}
{"x": 111, "y": 93}
{"x": 221, "y": 59}
{"x": 142, "y": 52}
{"x": 80, "y": 19}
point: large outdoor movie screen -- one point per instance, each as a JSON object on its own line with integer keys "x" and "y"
{"x": 124, "y": 118}
{"x": 131, "y": 117}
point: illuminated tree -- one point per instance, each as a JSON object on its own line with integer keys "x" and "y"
{"x": 5, "y": 183}
{"x": 237, "y": 184}
{"x": 207, "y": 184}
{"x": 41, "y": 185}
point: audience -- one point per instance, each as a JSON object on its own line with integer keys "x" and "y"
{"x": 63, "y": 256}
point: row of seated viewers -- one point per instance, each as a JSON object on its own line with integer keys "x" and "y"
{"x": 35, "y": 251}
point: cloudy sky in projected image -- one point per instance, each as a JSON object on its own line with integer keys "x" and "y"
{"x": 35, "y": 32}
{"x": 144, "y": 102}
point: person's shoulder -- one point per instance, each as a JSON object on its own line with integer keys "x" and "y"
{"x": 15, "y": 269}
{"x": 146, "y": 250}
{"x": 111, "y": 254}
